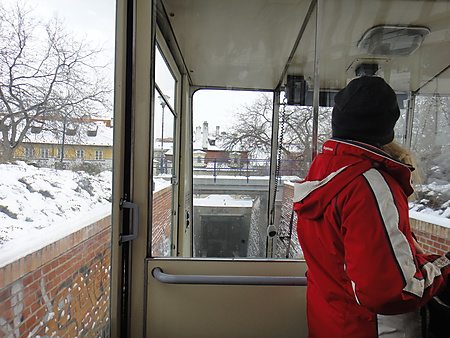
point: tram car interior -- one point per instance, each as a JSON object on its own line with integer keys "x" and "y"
{"x": 203, "y": 280}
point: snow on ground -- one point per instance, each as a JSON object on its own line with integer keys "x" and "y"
{"x": 41, "y": 196}
{"x": 223, "y": 201}
{"x": 433, "y": 203}
{"x": 41, "y": 205}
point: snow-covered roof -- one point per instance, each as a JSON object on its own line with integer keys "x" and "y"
{"x": 102, "y": 135}
{"x": 198, "y": 144}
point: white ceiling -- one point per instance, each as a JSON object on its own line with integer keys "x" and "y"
{"x": 247, "y": 43}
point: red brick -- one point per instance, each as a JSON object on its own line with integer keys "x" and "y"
{"x": 37, "y": 305}
{"x": 93, "y": 253}
{"x": 7, "y": 314}
{"x": 5, "y": 294}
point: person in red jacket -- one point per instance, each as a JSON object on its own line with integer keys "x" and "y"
{"x": 366, "y": 274}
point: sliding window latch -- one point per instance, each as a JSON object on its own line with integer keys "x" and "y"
{"x": 124, "y": 204}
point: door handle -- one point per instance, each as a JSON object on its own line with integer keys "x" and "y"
{"x": 162, "y": 277}
{"x": 128, "y": 205}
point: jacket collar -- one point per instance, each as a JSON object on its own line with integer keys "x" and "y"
{"x": 336, "y": 146}
{"x": 340, "y": 162}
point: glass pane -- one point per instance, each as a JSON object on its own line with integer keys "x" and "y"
{"x": 56, "y": 79}
{"x": 231, "y": 166}
{"x": 163, "y": 160}
{"x": 296, "y": 137}
{"x": 164, "y": 78}
{"x": 231, "y": 152}
{"x": 430, "y": 134}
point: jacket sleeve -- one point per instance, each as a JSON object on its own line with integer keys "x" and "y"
{"x": 386, "y": 273}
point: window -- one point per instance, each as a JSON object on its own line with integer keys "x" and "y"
{"x": 45, "y": 153}
{"x": 230, "y": 211}
{"x": 164, "y": 153}
{"x": 80, "y": 153}
{"x": 99, "y": 155}
{"x": 429, "y": 142}
{"x": 29, "y": 152}
{"x": 50, "y": 188}
{"x": 59, "y": 152}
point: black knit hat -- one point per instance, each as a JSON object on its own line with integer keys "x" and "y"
{"x": 366, "y": 110}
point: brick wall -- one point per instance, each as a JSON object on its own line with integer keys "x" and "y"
{"x": 433, "y": 238}
{"x": 162, "y": 222}
{"x": 284, "y": 230}
{"x": 60, "y": 290}
{"x": 63, "y": 289}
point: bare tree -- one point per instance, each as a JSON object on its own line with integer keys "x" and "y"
{"x": 252, "y": 130}
{"x": 46, "y": 76}
{"x": 430, "y": 132}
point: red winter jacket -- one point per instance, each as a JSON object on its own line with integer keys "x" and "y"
{"x": 365, "y": 278}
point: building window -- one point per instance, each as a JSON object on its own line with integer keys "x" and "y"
{"x": 80, "y": 153}
{"x": 99, "y": 154}
{"x": 58, "y": 153}
{"x": 45, "y": 153}
{"x": 29, "y": 152}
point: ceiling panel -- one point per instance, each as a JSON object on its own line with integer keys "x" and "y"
{"x": 236, "y": 43}
{"x": 247, "y": 43}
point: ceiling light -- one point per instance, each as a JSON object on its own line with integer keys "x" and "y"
{"x": 391, "y": 40}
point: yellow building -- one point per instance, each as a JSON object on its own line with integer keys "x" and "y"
{"x": 85, "y": 142}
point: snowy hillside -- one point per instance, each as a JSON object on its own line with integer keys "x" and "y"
{"x": 37, "y": 204}
{"x": 433, "y": 199}
{"x": 41, "y": 196}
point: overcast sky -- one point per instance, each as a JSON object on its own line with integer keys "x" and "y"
{"x": 93, "y": 18}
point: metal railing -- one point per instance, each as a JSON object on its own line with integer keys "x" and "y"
{"x": 245, "y": 167}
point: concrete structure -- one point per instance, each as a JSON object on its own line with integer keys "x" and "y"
{"x": 221, "y": 226}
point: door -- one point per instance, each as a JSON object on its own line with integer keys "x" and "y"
{"x": 197, "y": 310}
{"x": 154, "y": 212}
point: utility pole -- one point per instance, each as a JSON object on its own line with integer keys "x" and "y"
{"x": 163, "y": 105}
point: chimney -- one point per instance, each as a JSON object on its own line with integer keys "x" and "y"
{"x": 198, "y": 133}
{"x": 205, "y": 135}
{"x": 217, "y": 131}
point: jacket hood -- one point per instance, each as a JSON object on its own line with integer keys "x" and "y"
{"x": 340, "y": 162}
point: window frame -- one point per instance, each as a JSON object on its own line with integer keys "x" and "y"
{"x": 98, "y": 155}
{"x": 161, "y": 46}
{"x": 80, "y": 153}
{"x": 45, "y": 153}
{"x": 28, "y": 152}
